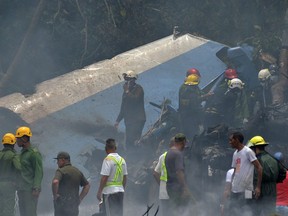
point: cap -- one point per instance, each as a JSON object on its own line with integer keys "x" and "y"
{"x": 180, "y": 137}
{"x": 63, "y": 155}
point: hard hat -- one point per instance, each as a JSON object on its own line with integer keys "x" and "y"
{"x": 193, "y": 71}
{"x": 230, "y": 73}
{"x": 257, "y": 141}
{"x": 23, "y": 131}
{"x": 130, "y": 74}
{"x": 264, "y": 75}
{"x": 235, "y": 83}
{"x": 279, "y": 156}
{"x": 192, "y": 79}
{"x": 8, "y": 138}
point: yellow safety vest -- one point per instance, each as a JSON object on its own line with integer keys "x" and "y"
{"x": 118, "y": 178}
{"x": 163, "y": 176}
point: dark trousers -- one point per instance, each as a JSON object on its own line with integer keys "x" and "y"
{"x": 27, "y": 203}
{"x": 133, "y": 132}
{"x": 240, "y": 206}
{"x": 63, "y": 208}
{"x": 7, "y": 198}
{"x": 113, "y": 204}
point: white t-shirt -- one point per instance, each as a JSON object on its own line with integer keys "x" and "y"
{"x": 109, "y": 169}
{"x": 162, "y": 188}
{"x": 229, "y": 175}
{"x": 244, "y": 170}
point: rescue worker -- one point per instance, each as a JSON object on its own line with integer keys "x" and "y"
{"x": 235, "y": 111}
{"x": 9, "y": 172}
{"x": 177, "y": 188}
{"x": 132, "y": 109}
{"x": 217, "y": 102}
{"x": 160, "y": 174}
{"x": 193, "y": 71}
{"x": 29, "y": 185}
{"x": 267, "y": 80}
{"x": 244, "y": 161}
{"x": 65, "y": 187}
{"x": 190, "y": 109}
{"x": 113, "y": 181}
{"x": 266, "y": 203}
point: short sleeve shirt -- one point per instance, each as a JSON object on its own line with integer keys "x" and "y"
{"x": 244, "y": 170}
{"x": 70, "y": 179}
{"x": 109, "y": 169}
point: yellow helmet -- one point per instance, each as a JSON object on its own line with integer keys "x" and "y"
{"x": 8, "y": 138}
{"x": 23, "y": 131}
{"x": 257, "y": 141}
{"x": 192, "y": 79}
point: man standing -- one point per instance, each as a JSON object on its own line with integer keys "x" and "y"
{"x": 31, "y": 173}
{"x": 266, "y": 203}
{"x": 65, "y": 187}
{"x": 177, "y": 188}
{"x": 190, "y": 109}
{"x": 113, "y": 181}
{"x": 243, "y": 162}
{"x": 9, "y": 170}
{"x": 132, "y": 109}
{"x": 160, "y": 174}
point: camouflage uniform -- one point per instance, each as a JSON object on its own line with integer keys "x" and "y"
{"x": 31, "y": 174}
{"x": 9, "y": 169}
{"x": 70, "y": 178}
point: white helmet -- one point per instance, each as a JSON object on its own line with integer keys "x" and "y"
{"x": 130, "y": 74}
{"x": 235, "y": 83}
{"x": 264, "y": 75}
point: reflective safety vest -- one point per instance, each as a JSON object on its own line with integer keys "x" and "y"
{"x": 163, "y": 176}
{"x": 118, "y": 177}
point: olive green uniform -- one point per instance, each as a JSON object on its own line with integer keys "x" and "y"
{"x": 267, "y": 202}
{"x": 190, "y": 109}
{"x": 31, "y": 174}
{"x": 70, "y": 179}
{"x": 9, "y": 171}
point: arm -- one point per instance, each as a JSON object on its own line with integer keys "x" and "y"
{"x": 156, "y": 176}
{"x": 55, "y": 187}
{"x": 38, "y": 173}
{"x": 259, "y": 169}
{"x": 84, "y": 191}
{"x": 103, "y": 182}
{"x": 124, "y": 181}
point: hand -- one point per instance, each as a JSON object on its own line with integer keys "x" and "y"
{"x": 99, "y": 195}
{"x": 257, "y": 192}
{"x": 116, "y": 125}
{"x": 35, "y": 193}
{"x": 55, "y": 197}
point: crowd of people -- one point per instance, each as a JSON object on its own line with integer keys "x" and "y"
{"x": 251, "y": 185}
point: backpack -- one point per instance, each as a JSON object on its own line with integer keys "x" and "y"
{"x": 281, "y": 173}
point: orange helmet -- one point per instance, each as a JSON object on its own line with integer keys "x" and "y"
{"x": 230, "y": 73}
{"x": 193, "y": 71}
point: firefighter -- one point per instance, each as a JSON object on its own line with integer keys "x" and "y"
{"x": 266, "y": 203}
{"x": 214, "y": 105}
{"x": 132, "y": 109}
{"x": 29, "y": 185}
{"x": 190, "y": 110}
{"x": 10, "y": 169}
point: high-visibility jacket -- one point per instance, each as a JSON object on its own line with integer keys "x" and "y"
{"x": 118, "y": 177}
{"x": 163, "y": 176}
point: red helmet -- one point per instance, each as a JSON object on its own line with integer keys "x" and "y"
{"x": 230, "y": 73}
{"x": 193, "y": 71}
